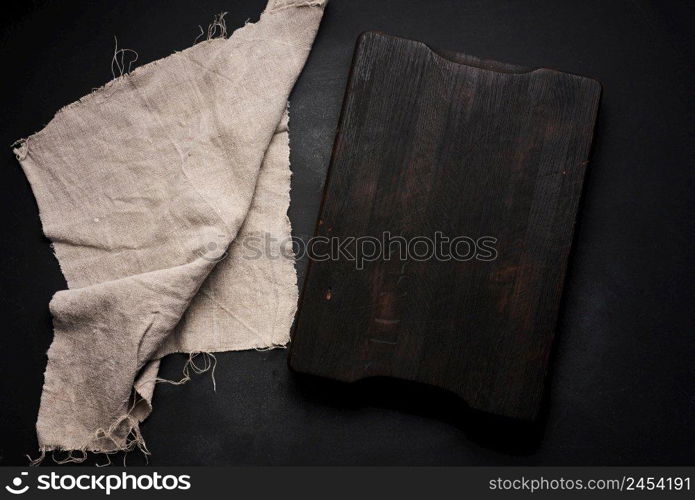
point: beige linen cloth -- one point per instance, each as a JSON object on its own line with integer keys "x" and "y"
{"x": 150, "y": 189}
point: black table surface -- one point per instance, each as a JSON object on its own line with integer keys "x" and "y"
{"x": 622, "y": 382}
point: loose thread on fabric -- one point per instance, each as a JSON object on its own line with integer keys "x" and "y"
{"x": 216, "y": 29}
{"x": 209, "y": 365}
{"x": 132, "y": 438}
{"x": 118, "y": 62}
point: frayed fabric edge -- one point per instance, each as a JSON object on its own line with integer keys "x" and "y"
{"x": 128, "y": 425}
{"x": 217, "y": 30}
{"x": 278, "y": 5}
{"x": 123, "y": 434}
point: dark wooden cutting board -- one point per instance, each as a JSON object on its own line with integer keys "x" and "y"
{"x": 442, "y": 142}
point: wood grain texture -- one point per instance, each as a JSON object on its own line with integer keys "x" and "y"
{"x": 438, "y": 141}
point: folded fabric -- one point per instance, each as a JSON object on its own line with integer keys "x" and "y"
{"x": 150, "y": 189}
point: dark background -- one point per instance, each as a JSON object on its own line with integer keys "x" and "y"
{"x": 622, "y": 387}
